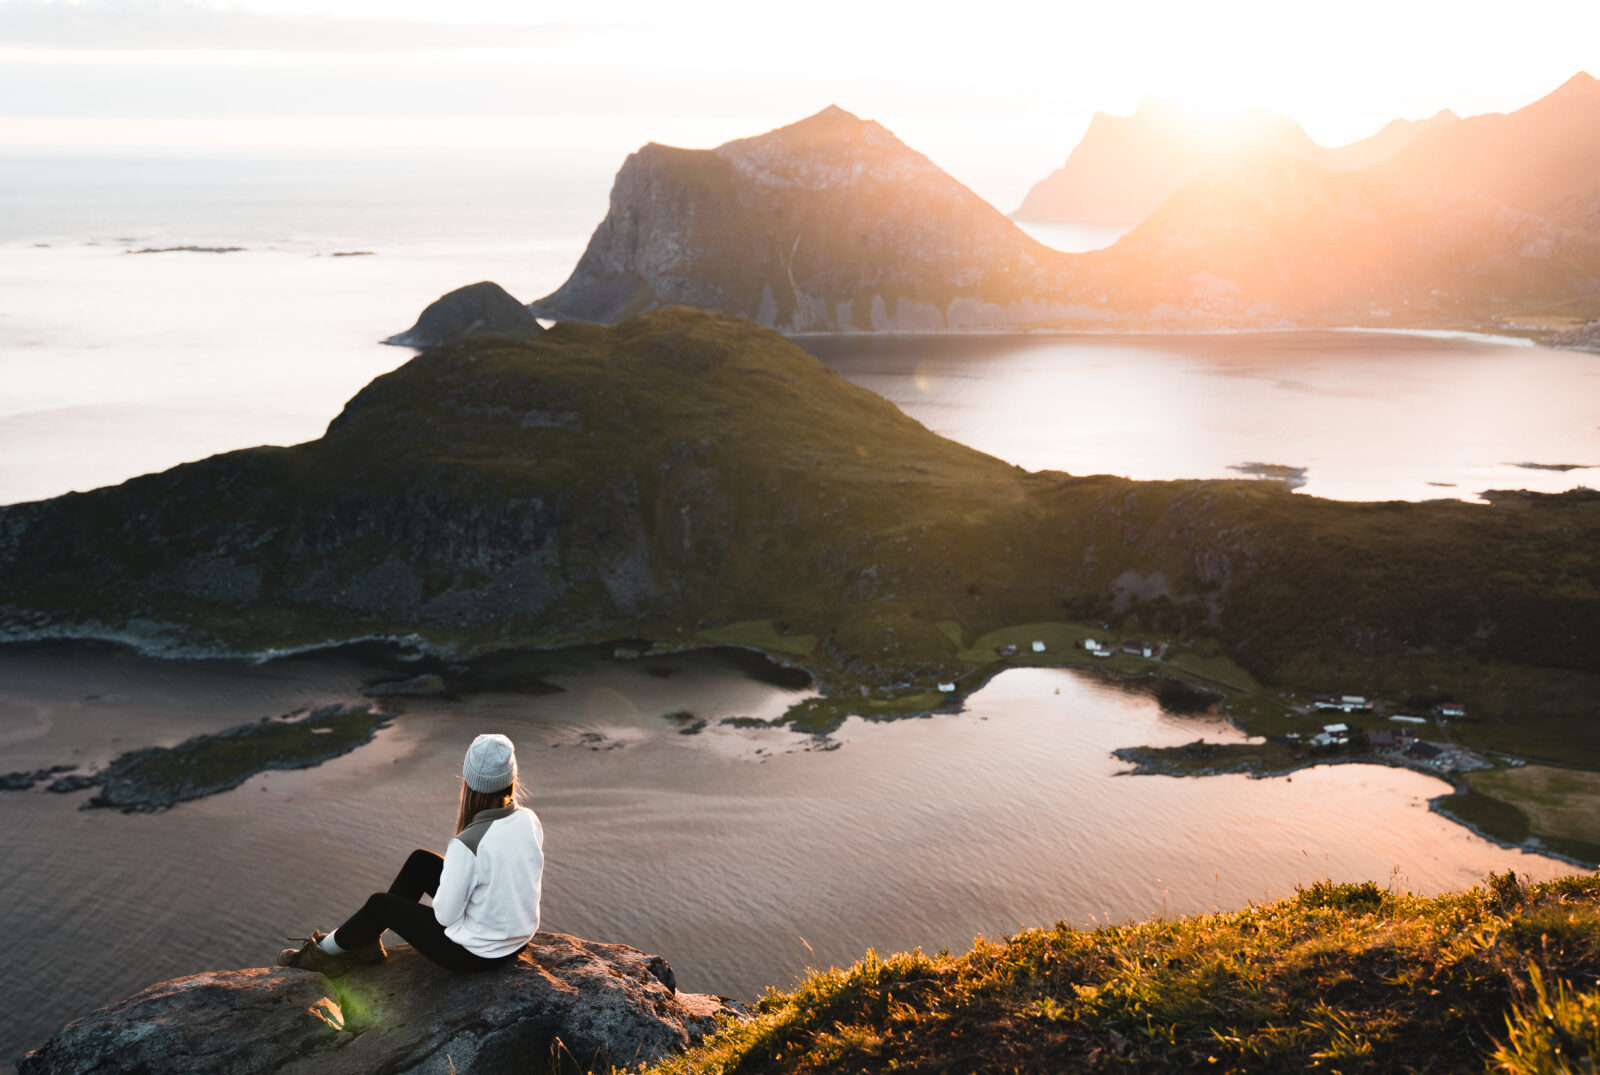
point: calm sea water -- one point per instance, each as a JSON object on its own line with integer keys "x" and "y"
{"x": 743, "y": 856}
{"x": 1369, "y": 416}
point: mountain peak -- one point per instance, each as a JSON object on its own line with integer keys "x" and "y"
{"x": 832, "y": 127}
{"x": 834, "y": 112}
{"x": 1580, "y": 84}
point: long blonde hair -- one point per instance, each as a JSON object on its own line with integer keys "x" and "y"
{"x": 475, "y": 802}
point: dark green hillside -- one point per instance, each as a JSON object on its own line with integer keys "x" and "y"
{"x": 686, "y": 477}
{"x": 1341, "y": 978}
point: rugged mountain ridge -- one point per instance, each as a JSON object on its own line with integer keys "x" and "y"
{"x": 831, "y": 223}
{"x": 685, "y": 470}
{"x": 1125, "y": 167}
{"x": 1543, "y": 159}
{"x": 1292, "y": 239}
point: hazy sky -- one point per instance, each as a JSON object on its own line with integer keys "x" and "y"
{"x": 982, "y": 88}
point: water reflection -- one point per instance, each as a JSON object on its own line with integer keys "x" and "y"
{"x": 720, "y": 849}
{"x": 1369, "y": 416}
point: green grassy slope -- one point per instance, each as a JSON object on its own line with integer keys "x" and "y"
{"x": 1341, "y": 978}
{"x": 685, "y": 473}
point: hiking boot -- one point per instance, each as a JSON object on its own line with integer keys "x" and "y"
{"x": 310, "y": 956}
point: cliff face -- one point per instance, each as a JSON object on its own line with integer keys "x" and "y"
{"x": 1126, "y": 167}
{"x": 831, "y": 223}
{"x": 565, "y": 1004}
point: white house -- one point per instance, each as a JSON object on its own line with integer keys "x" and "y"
{"x": 1348, "y": 703}
{"x": 1038, "y": 647}
{"x": 947, "y": 688}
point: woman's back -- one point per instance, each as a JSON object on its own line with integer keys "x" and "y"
{"x": 488, "y": 896}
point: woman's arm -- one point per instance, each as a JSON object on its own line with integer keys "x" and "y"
{"x": 456, "y": 881}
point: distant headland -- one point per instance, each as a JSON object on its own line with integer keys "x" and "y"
{"x": 832, "y": 224}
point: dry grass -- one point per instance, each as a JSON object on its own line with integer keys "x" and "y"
{"x": 1340, "y": 978}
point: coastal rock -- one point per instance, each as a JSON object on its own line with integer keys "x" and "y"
{"x": 1582, "y": 338}
{"x": 427, "y": 685}
{"x": 483, "y": 308}
{"x": 22, "y": 781}
{"x": 154, "y": 778}
{"x": 564, "y": 1004}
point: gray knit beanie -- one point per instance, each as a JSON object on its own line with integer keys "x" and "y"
{"x": 491, "y": 763}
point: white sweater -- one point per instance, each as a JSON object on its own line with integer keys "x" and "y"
{"x": 488, "y": 898}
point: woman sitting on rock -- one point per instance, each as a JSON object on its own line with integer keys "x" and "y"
{"x": 485, "y": 889}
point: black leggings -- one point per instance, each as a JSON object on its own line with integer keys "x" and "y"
{"x": 400, "y": 909}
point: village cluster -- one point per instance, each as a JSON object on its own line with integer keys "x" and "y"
{"x": 1399, "y": 745}
{"x": 1152, "y": 650}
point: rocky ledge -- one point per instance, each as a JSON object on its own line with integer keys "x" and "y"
{"x": 565, "y": 1004}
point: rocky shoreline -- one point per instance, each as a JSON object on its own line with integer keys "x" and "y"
{"x": 1440, "y": 804}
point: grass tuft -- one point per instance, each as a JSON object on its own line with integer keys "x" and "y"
{"x": 1553, "y": 1030}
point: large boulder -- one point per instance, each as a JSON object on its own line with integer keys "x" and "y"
{"x": 564, "y": 1004}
